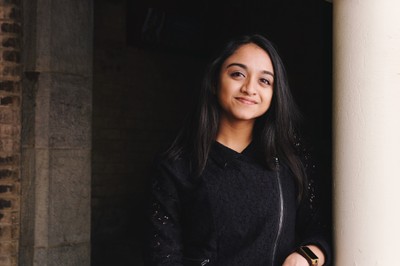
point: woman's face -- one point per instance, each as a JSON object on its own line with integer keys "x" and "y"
{"x": 246, "y": 84}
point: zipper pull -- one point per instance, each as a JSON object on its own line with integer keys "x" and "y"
{"x": 204, "y": 262}
{"x": 277, "y": 163}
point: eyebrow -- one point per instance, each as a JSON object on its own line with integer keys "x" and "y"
{"x": 245, "y": 67}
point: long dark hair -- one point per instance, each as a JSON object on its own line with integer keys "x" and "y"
{"x": 276, "y": 130}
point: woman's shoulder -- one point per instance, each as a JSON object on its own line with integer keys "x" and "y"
{"x": 164, "y": 159}
{"x": 177, "y": 167}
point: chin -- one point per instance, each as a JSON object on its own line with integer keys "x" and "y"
{"x": 245, "y": 117}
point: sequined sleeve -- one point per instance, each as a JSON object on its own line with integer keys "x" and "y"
{"x": 313, "y": 218}
{"x": 163, "y": 244}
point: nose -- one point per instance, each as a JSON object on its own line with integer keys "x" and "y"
{"x": 248, "y": 87}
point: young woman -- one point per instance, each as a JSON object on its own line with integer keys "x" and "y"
{"x": 233, "y": 189}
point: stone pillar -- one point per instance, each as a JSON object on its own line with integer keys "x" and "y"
{"x": 366, "y": 131}
{"x": 56, "y": 132}
{"x": 10, "y": 125}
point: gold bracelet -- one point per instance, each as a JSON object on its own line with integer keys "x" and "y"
{"x": 307, "y": 253}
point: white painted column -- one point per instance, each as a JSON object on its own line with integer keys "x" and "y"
{"x": 366, "y": 132}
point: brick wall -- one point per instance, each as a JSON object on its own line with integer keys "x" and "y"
{"x": 10, "y": 124}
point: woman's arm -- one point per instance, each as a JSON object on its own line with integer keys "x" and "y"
{"x": 314, "y": 233}
{"x": 313, "y": 216}
{"x": 163, "y": 245}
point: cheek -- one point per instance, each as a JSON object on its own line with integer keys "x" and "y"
{"x": 220, "y": 97}
{"x": 228, "y": 86}
{"x": 267, "y": 96}
{"x": 223, "y": 93}
{"x": 267, "y": 100}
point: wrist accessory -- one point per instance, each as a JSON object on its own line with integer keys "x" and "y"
{"x": 308, "y": 255}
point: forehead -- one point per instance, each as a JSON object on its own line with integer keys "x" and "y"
{"x": 251, "y": 55}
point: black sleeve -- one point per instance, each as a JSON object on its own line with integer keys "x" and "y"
{"x": 162, "y": 240}
{"x": 313, "y": 217}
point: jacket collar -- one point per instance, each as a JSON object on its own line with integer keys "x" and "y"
{"x": 223, "y": 155}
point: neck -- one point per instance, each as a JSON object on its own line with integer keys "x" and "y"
{"x": 236, "y": 135}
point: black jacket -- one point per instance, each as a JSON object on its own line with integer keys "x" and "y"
{"x": 236, "y": 213}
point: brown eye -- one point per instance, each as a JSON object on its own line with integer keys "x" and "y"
{"x": 236, "y": 74}
{"x": 265, "y": 81}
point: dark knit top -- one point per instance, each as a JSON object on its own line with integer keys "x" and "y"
{"x": 237, "y": 213}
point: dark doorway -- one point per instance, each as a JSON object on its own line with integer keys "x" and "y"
{"x": 147, "y": 64}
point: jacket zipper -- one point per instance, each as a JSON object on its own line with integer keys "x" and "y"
{"x": 278, "y": 234}
{"x": 204, "y": 262}
{"x": 201, "y": 261}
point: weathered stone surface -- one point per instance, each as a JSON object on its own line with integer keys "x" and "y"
{"x": 57, "y": 221}
{"x": 27, "y": 206}
{"x": 40, "y": 195}
{"x": 62, "y": 256}
{"x": 62, "y": 41}
{"x": 29, "y": 91}
{"x": 69, "y": 194}
{"x": 70, "y": 115}
{"x": 63, "y": 115}
{"x": 56, "y": 132}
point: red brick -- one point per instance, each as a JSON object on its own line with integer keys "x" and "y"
{"x": 10, "y": 125}
{"x": 9, "y": 260}
{"x": 9, "y": 86}
{"x": 8, "y": 160}
{"x": 8, "y": 174}
{"x": 8, "y": 247}
{"x": 10, "y": 2}
{"x": 10, "y": 42}
{"x": 8, "y": 131}
{"x": 12, "y": 101}
{"x": 10, "y": 232}
{"x": 9, "y": 116}
{"x": 9, "y": 12}
{"x": 9, "y": 145}
{"x": 9, "y": 217}
{"x": 10, "y": 71}
{"x": 11, "y": 56}
{"x": 7, "y": 27}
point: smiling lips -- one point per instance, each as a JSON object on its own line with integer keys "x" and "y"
{"x": 245, "y": 100}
